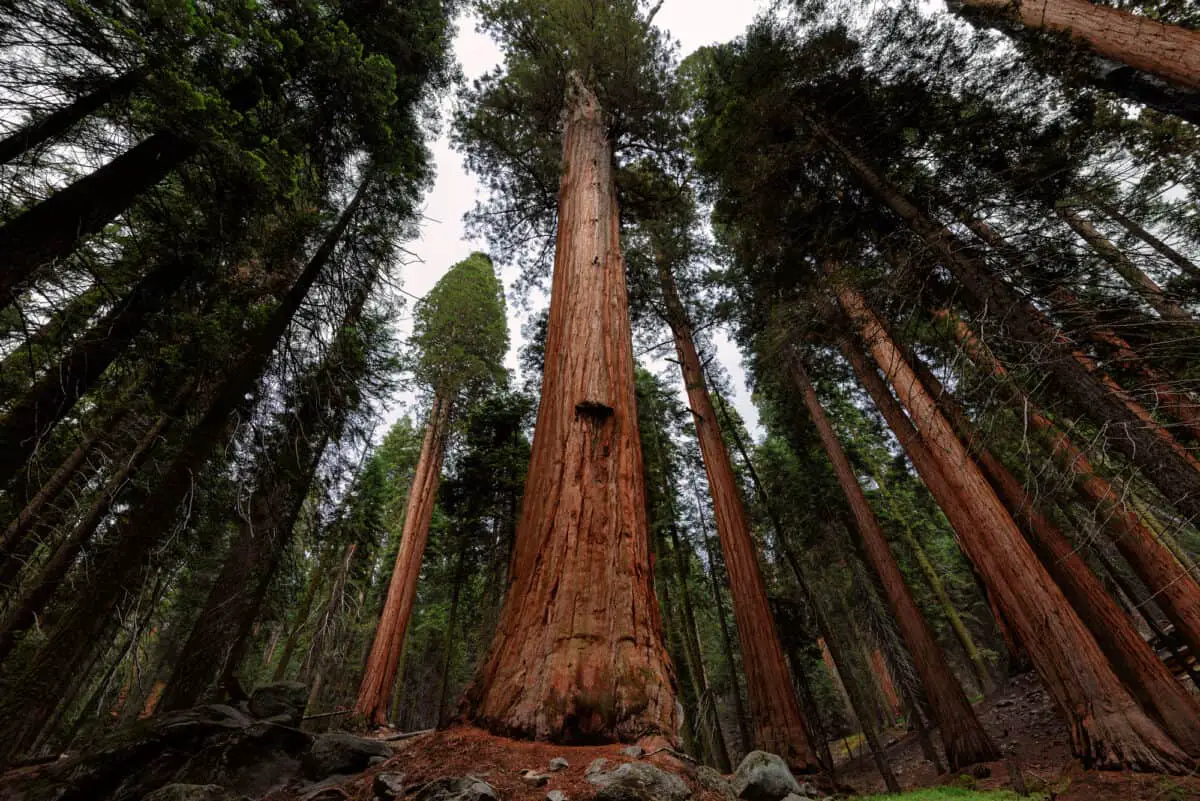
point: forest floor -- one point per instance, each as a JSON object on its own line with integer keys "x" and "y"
{"x": 1025, "y": 726}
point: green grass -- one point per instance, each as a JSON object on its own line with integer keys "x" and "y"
{"x": 952, "y": 794}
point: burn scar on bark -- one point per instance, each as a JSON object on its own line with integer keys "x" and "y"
{"x": 594, "y": 410}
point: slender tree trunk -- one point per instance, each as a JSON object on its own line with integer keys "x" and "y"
{"x": 52, "y": 126}
{"x": 743, "y": 720}
{"x": 1168, "y": 51}
{"x": 323, "y": 630}
{"x": 1141, "y": 283}
{"x": 20, "y": 368}
{"x": 1136, "y": 229}
{"x": 1137, "y": 664}
{"x": 460, "y": 577}
{"x": 123, "y": 565}
{"x": 53, "y": 228}
{"x": 1108, "y": 728}
{"x": 982, "y": 672}
{"x": 23, "y": 613}
{"x": 965, "y": 740}
{"x": 15, "y": 544}
{"x": 1177, "y": 591}
{"x": 302, "y": 613}
{"x": 592, "y": 665}
{"x": 1131, "y": 430}
{"x": 375, "y": 693}
{"x": 778, "y": 722}
{"x": 54, "y": 396}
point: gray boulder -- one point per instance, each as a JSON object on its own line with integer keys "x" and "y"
{"x": 339, "y": 752}
{"x": 282, "y": 702}
{"x": 597, "y": 765}
{"x": 388, "y": 786}
{"x": 556, "y": 795}
{"x": 188, "y": 792}
{"x": 764, "y": 777}
{"x": 711, "y": 780}
{"x": 457, "y": 788}
{"x": 634, "y": 751}
{"x": 559, "y": 763}
{"x": 639, "y": 781}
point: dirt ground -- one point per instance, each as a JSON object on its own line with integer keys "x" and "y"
{"x": 1024, "y": 724}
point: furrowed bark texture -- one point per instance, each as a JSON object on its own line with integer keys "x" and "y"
{"x": 1168, "y": 51}
{"x": 964, "y": 738}
{"x": 1077, "y": 381}
{"x": 778, "y": 722}
{"x": 1143, "y": 672}
{"x": 578, "y": 653}
{"x": 375, "y": 692}
{"x": 1108, "y": 729}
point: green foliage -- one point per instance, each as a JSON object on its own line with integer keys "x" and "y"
{"x": 460, "y": 332}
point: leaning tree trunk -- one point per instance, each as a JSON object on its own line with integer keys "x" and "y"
{"x": 53, "y": 228}
{"x": 778, "y": 722}
{"x": 1170, "y": 52}
{"x": 54, "y": 125}
{"x": 1143, "y": 672}
{"x": 49, "y": 400}
{"x": 375, "y": 692}
{"x": 1138, "y": 230}
{"x": 1078, "y": 381}
{"x": 578, "y": 653}
{"x": 1108, "y": 729}
{"x": 1175, "y": 589}
{"x": 964, "y": 739}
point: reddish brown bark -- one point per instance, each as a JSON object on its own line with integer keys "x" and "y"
{"x": 1107, "y": 727}
{"x": 1176, "y": 590}
{"x": 1168, "y": 51}
{"x": 1139, "y": 667}
{"x": 965, "y": 740}
{"x": 778, "y": 722}
{"x": 578, "y": 653}
{"x": 375, "y": 692}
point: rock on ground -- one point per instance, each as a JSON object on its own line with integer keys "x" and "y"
{"x": 559, "y": 763}
{"x": 282, "y": 702}
{"x": 189, "y": 792}
{"x": 388, "y": 786}
{"x": 338, "y": 752}
{"x": 457, "y": 788}
{"x": 639, "y": 781}
{"x": 764, "y": 777}
{"x": 710, "y": 779}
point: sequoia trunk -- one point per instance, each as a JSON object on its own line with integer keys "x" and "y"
{"x": 778, "y": 722}
{"x": 375, "y": 692}
{"x": 578, "y": 653}
{"x": 1108, "y": 729}
{"x": 965, "y": 740}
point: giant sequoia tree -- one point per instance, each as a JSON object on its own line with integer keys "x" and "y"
{"x": 460, "y": 336}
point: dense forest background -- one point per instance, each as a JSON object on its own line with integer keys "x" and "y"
{"x": 958, "y": 249}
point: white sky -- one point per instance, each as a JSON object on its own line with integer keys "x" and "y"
{"x": 443, "y": 242}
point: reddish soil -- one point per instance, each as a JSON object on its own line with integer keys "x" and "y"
{"x": 465, "y": 750}
{"x": 1025, "y": 726}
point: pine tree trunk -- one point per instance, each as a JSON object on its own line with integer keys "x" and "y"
{"x": 1091, "y": 394}
{"x": 375, "y": 693}
{"x": 49, "y": 400}
{"x": 20, "y": 368}
{"x": 302, "y": 612}
{"x": 578, "y": 653}
{"x": 1168, "y": 51}
{"x": 1108, "y": 729}
{"x": 965, "y": 740}
{"x": 53, "y": 228}
{"x": 778, "y": 723}
{"x": 1176, "y": 590}
{"x": 1142, "y": 284}
{"x": 123, "y": 566}
{"x": 460, "y": 577}
{"x": 1142, "y": 671}
{"x": 54, "y": 125}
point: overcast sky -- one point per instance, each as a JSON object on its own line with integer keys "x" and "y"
{"x": 443, "y": 242}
